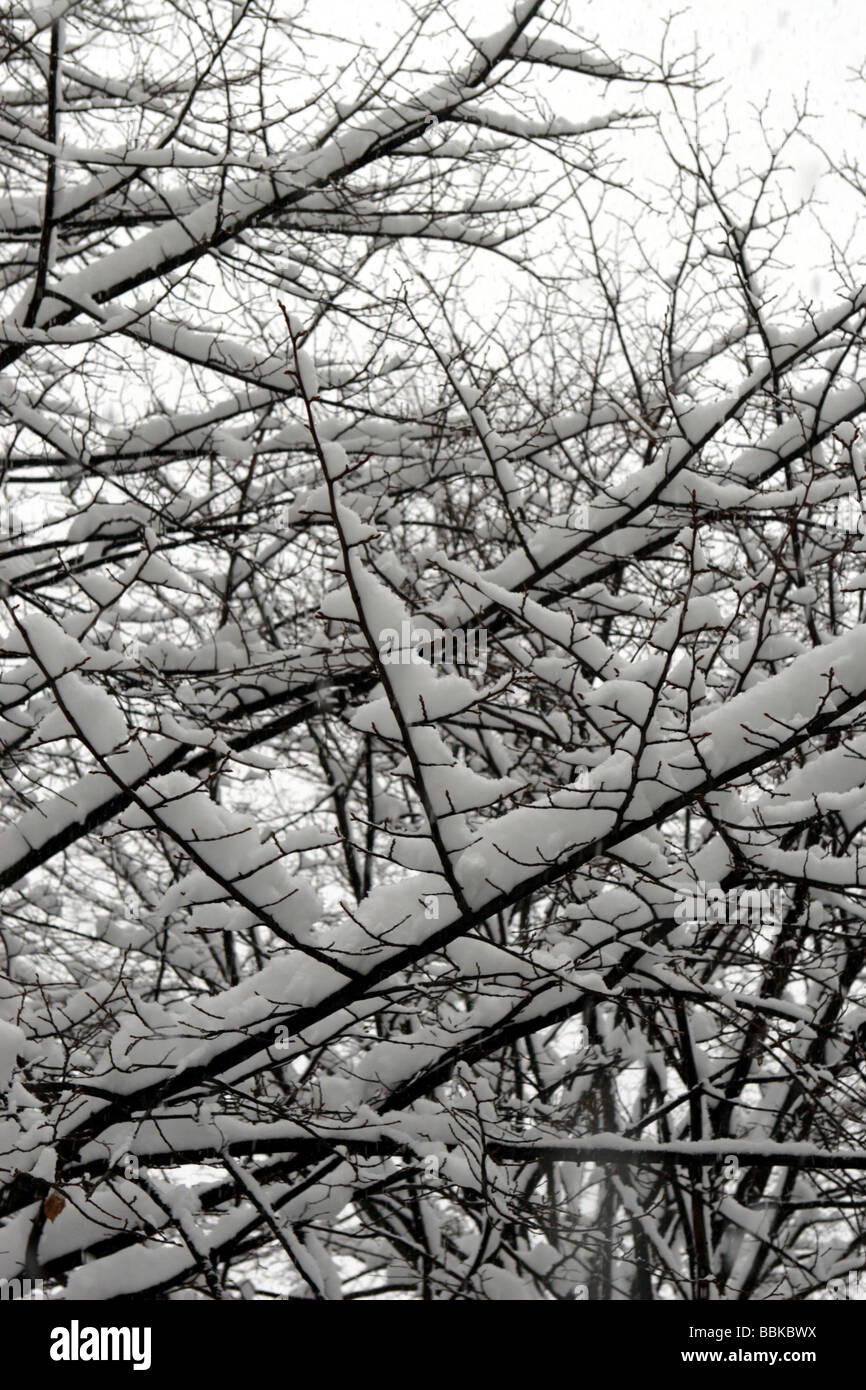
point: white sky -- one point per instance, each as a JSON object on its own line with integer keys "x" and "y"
{"x": 757, "y": 49}
{"x": 759, "y": 46}
{"x": 775, "y": 52}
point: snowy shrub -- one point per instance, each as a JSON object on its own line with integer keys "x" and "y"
{"x": 344, "y": 953}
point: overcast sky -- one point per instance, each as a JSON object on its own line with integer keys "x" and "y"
{"x": 758, "y": 46}
{"x": 759, "y": 50}
{"x": 776, "y": 51}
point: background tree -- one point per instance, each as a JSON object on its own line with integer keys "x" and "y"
{"x": 432, "y": 702}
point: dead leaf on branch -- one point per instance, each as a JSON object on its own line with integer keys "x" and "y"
{"x": 53, "y": 1205}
